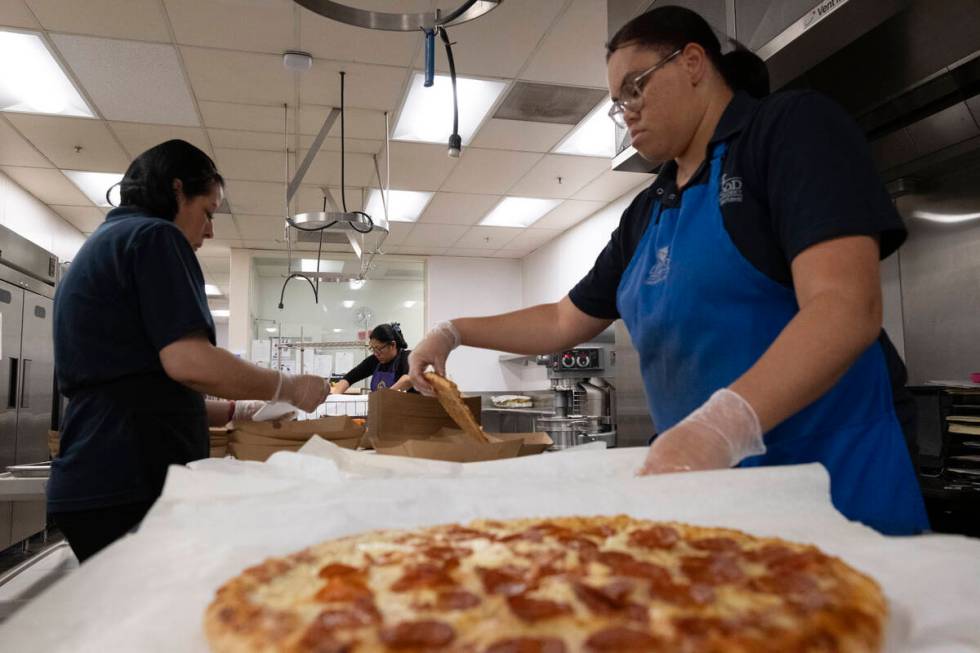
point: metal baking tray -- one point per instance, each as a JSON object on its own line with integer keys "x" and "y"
{"x": 31, "y": 470}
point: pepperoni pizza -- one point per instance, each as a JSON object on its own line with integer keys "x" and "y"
{"x": 550, "y": 586}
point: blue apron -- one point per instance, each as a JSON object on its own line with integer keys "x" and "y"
{"x": 700, "y": 315}
{"x": 381, "y": 379}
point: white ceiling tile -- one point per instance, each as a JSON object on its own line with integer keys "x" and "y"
{"x": 568, "y": 214}
{"x": 246, "y": 77}
{"x": 137, "y": 138}
{"x": 250, "y": 165}
{"x": 397, "y": 233}
{"x": 356, "y": 145}
{"x": 325, "y": 170}
{"x": 366, "y": 86}
{"x": 57, "y": 137}
{"x": 469, "y": 253}
{"x": 246, "y": 140}
{"x": 418, "y": 251}
{"x": 15, "y": 13}
{"x": 489, "y": 171}
{"x": 532, "y": 239}
{"x": 130, "y": 80}
{"x": 16, "y": 151}
{"x": 310, "y": 198}
{"x": 225, "y": 228}
{"x": 141, "y": 20}
{"x": 250, "y": 117}
{"x": 574, "y": 51}
{"x": 499, "y": 43}
{"x": 519, "y": 135}
{"x": 435, "y": 235}
{"x": 265, "y": 26}
{"x": 211, "y": 249}
{"x": 48, "y": 185}
{"x": 511, "y": 253}
{"x": 559, "y": 176}
{"x": 417, "y": 166}
{"x": 458, "y": 208}
{"x": 260, "y": 227}
{"x": 492, "y": 238}
{"x": 255, "y": 197}
{"x": 85, "y": 218}
{"x": 358, "y": 123}
{"x": 611, "y": 185}
{"x": 215, "y": 265}
{"x": 329, "y": 39}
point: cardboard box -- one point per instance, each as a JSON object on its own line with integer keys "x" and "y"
{"x": 458, "y": 452}
{"x": 328, "y": 428}
{"x": 399, "y": 416}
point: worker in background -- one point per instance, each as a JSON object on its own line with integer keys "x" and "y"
{"x": 747, "y": 275}
{"x": 135, "y": 352}
{"x": 387, "y": 365}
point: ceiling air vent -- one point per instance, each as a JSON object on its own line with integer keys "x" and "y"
{"x": 563, "y": 105}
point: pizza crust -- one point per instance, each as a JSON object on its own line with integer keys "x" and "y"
{"x": 451, "y": 400}
{"x": 682, "y": 587}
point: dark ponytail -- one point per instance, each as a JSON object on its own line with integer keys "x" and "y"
{"x": 670, "y": 28}
{"x": 149, "y": 181}
{"x": 389, "y": 333}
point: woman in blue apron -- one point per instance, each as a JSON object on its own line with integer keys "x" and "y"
{"x": 387, "y": 366}
{"x": 747, "y": 275}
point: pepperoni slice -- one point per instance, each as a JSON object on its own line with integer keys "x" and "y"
{"x": 725, "y": 544}
{"x": 656, "y": 537}
{"x": 527, "y": 645}
{"x": 507, "y": 580}
{"x": 712, "y": 570}
{"x": 338, "y": 570}
{"x": 343, "y": 589}
{"x": 682, "y": 594}
{"x": 797, "y": 589}
{"x": 457, "y": 600}
{"x": 624, "y": 564}
{"x": 423, "y": 575}
{"x": 418, "y": 634}
{"x": 604, "y": 600}
{"x": 447, "y": 555}
{"x": 530, "y": 609}
{"x": 697, "y": 627}
{"x": 457, "y": 532}
{"x": 621, "y": 639}
{"x": 780, "y": 559}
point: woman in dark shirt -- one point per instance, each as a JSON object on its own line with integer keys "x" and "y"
{"x": 134, "y": 352}
{"x": 387, "y": 366}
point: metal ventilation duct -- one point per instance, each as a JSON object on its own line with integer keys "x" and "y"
{"x": 563, "y": 105}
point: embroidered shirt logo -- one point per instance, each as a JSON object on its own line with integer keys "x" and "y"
{"x": 731, "y": 190}
{"x": 658, "y": 273}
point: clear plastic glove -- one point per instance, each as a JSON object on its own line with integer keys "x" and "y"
{"x": 433, "y": 350}
{"x": 244, "y": 409}
{"x": 304, "y": 391}
{"x": 721, "y": 433}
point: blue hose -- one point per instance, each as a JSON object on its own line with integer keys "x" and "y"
{"x": 430, "y": 57}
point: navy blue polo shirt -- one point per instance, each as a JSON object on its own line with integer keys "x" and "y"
{"x": 134, "y": 287}
{"x": 798, "y": 172}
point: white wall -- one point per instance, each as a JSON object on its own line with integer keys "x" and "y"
{"x": 469, "y": 287}
{"x": 25, "y": 214}
{"x": 891, "y": 298}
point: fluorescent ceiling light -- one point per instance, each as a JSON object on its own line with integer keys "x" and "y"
{"x": 427, "y": 114}
{"x": 945, "y": 218}
{"x": 220, "y": 312}
{"x": 211, "y": 290}
{"x": 594, "y": 136}
{"x": 403, "y": 205}
{"x": 309, "y": 265}
{"x": 31, "y": 80}
{"x": 348, "y": 303}
{"x": 271, "y": 329}
{"x": 356, "y": 284}
{"x": 338, "y": 330}
{"x": 408, "y": 304}
{"x": 518, "y": 212}
{"x": 95, "y": 185}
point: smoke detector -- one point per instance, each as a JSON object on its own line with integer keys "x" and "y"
{"x": 297, "y": 61}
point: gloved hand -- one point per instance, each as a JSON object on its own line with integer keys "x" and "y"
{"x": 432, "y": 350}
{"x": 721, "y": 433}
{"x": 304, "y": 391}
{"x": 244, "y": 409}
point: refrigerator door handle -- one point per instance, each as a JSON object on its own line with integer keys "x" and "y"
{"x": 13, "y": 387}
{"x": 25, "y": 374}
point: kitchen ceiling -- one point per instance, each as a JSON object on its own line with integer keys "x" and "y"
{"x": 210, "y": 72}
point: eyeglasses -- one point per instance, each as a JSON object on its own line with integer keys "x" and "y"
{"x": 380, "y": 348}
{"x": 632, "y": 91}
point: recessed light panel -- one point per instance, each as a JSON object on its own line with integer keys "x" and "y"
{"x": 518, "y": 212}
{"x": 403, "y": 205}
{"x": 32, "y": 80}
{"x": 427, "y": 115}
{"x": 95, "y": 185}
{"x": 594, "y": 136}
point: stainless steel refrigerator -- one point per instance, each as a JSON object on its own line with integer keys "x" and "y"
{"x": 27, "y": 279}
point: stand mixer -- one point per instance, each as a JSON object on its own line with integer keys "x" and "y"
{"x": 584, "y": 401}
